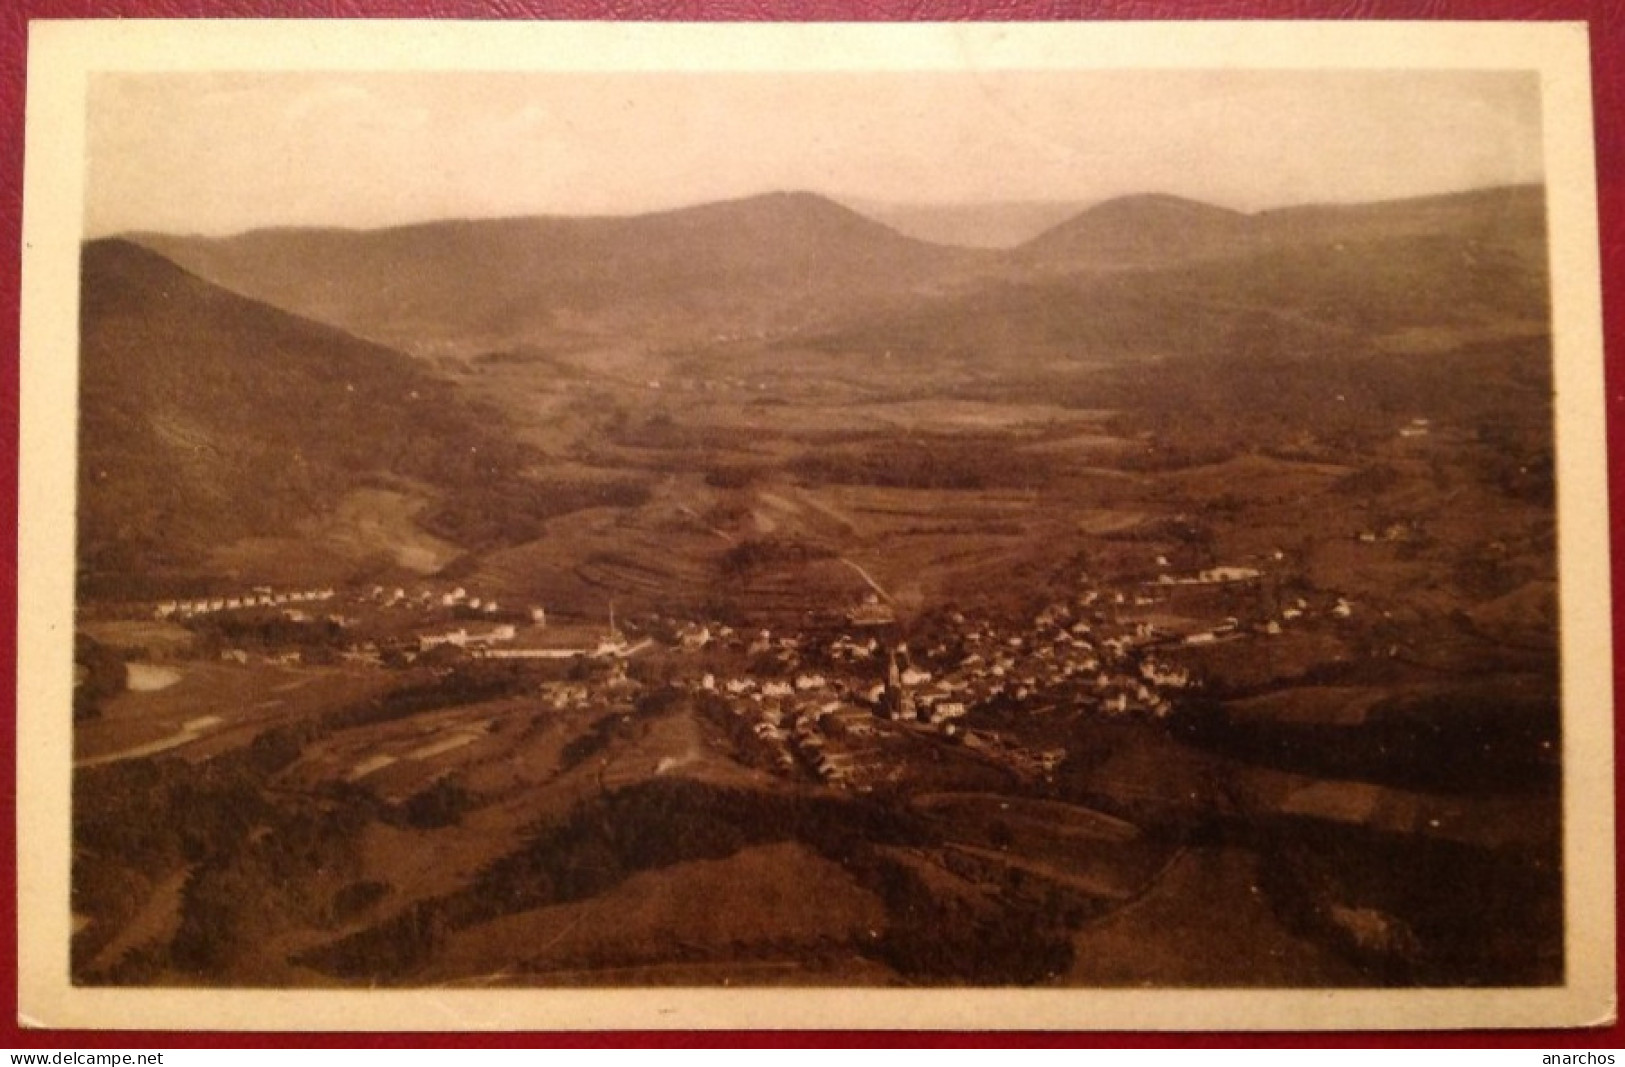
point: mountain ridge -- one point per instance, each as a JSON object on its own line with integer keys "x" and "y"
{"x": 469, "y": 285}
{"x": 777, "y": 264}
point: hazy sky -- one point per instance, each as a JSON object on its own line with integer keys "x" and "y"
{"x": 214, "y": 153}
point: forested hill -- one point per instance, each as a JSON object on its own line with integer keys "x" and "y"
{"x": 206, "y": 417}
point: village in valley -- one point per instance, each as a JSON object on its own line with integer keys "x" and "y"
{"x": 824, "y": 702}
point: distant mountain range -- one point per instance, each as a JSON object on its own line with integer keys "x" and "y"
{"x": 781, "y": 265}
{"x": 765, "y": 264}
{"x": 1156, "y": 275}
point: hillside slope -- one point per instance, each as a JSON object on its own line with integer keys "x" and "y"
{"x": 1136, "y": 231}
{"x": 206, "y": 417}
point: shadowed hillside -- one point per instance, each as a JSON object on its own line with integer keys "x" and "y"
{"x": 206, "y": 417}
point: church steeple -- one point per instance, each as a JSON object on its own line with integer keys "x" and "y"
{"x": 898, "y": 701}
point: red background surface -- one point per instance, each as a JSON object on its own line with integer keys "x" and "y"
{"x": 1607, "y": 22}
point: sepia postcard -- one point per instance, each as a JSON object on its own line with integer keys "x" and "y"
{"x": 620, "y": 526}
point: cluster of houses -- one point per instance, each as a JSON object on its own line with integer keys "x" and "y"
{"x": 1213, "y": 576}
{"x": 1067, "y": 654}
{"x": 827, "y": 737}
{"x": 828, "y": 701}
{"x": 461, "y": 638}
{"x": 260, "y": 597}
{"x": 831, "y": 704}
{"x": 458, "y": 599}
{"x": 1230, "y": 628}
{"x": 1393, "y": 531}
{"x": 841, "y": 726}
